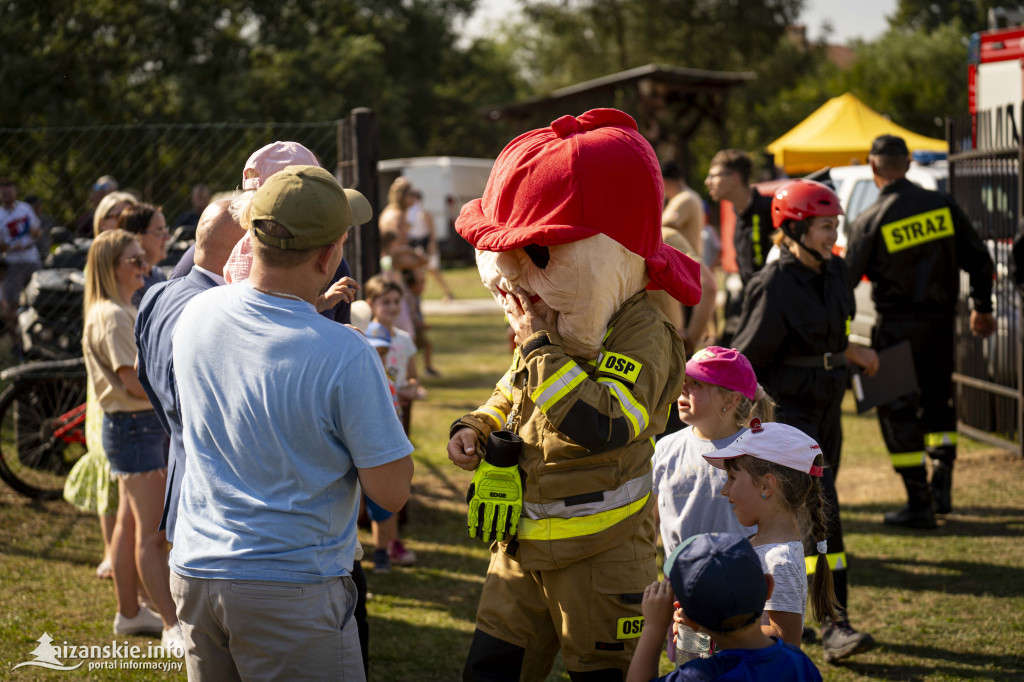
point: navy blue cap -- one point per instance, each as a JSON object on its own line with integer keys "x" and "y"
{"x": 718, "y": 581}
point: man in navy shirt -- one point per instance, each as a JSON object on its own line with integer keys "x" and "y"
{"x": 216, "y": 234}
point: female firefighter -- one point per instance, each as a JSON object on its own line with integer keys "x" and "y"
{"x": 794, "y": 326}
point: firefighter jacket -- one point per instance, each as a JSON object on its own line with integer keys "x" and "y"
{"x": 911, "y": 243}
{"x": 753, "y": 236}
{"x": 789, "y": 310}
{"x": 588, "y": 428}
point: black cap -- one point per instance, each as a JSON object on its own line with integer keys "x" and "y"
{"x": 889, "y": 145}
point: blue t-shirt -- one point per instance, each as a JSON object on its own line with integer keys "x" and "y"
{"x": 278, "y": 406}
{"x": 780, "y": 662}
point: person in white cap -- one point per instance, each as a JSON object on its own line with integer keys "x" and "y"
{"x": 774, "y": 481}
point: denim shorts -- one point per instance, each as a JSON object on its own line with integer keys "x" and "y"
{"x": 375, "y": 511}
{"x": 135, "y": 442}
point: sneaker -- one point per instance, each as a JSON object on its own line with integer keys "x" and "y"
{"x": 909, "y": 517}
{"x": 381, "y": 561}
{"x": 839, "y": 640}
{"x": 431, "y": 372}
{"x": 145, "y": 621}
{"x": 808, "y": 636}
{"x": 399, "y": 555}
{"x": 173, "y": 641}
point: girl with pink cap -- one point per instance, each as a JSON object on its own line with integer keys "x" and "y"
{"x": 720, "y": 397}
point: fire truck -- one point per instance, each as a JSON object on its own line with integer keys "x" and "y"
{"x": 995, "y": 69}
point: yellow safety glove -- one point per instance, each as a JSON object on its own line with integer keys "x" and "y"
{"x": 495, "y": 496}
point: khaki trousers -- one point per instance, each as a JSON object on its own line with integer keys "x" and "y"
{"x": 262, "y": 630}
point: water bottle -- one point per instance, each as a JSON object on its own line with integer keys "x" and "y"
{"x": 691, "y": 645}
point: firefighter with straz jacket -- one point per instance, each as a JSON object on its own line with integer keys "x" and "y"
{"x": 794, "y": 327}
{"x": 912, "y": 243}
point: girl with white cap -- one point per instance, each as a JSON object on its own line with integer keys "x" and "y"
{"x": 774, "y": 472}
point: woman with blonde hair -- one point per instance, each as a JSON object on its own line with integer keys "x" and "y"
{"x": 392, "y": 218}
{"x": 133, "y": 437}
{"x": 109, "y": 210}
{"x": 88, "y": 486}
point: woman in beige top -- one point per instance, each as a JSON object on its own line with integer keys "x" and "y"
{"x": 133, "y": 436}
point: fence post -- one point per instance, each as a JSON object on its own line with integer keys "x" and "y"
{"x": 357, "y": 168}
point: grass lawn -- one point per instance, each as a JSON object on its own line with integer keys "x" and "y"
{"x": 943, "y": 605}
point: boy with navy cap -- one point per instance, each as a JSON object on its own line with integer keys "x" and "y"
{"x": 720, "y": 588}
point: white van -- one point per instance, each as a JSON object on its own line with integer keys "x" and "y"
{"x": 447, "y": 182}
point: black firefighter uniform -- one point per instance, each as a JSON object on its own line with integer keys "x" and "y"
{"x": 573, "y": 577}
{"x": 912, "y": 243}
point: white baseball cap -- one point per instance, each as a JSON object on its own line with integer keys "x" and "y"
{"x": 773, "y": 442}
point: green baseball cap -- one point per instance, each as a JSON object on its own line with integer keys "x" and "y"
{"x": 311, "y": 204}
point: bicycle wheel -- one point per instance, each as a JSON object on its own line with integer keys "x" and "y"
{"x": 42, "y": 432}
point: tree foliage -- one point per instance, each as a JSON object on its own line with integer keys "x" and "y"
{"x": 567, "y": 41}
{"x": 104, "y": 61}
{"x": 929, "y": 15}
{"x": 916, "y": 77}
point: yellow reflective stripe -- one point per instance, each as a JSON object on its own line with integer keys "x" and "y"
{"x": 505, "y": 386}
{"x": 934, "y": 440}
{"x": 557, "y": 385}
{"x": 902, "y": 460}
{"x": 836, "y": 561}
{"x": 560, "y": 529}
{"x": 494, "y": 413}
{"x": 917, "y": 229}
{"x": 631, "y": 407}
{"x": 755, "y": 240}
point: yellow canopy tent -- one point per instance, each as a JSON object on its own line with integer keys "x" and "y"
{"x": 840, "y": 133}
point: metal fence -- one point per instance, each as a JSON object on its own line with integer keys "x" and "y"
{"x": 160, "y": 162}
{"x": 984, "y": 171}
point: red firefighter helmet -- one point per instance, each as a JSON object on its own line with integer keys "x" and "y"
{"x": 802, "y": 199}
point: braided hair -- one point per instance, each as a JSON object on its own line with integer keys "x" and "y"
{"x": 800, "y": 493}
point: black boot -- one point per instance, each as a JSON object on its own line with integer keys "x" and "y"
{"x": 942, "y": 486}
{"x": 918, "y": 512}
{"x": 839, "y": 640}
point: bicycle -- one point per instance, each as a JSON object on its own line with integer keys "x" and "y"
{"x": 42, "y": 425}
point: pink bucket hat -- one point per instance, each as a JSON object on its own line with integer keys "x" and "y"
{"x": 272, "y": 158}
{"x": 582, "y": 176}
{"x": 725, "y": 367}
{"x": 782, "y": 444}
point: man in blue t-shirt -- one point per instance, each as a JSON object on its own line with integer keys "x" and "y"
{"x": 721, "y": 589}
{"x": 286, "y": 415}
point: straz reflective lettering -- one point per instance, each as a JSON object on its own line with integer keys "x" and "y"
{"x": 621, "y": 366}
{"x": 919, "y": 229}
{"x": 629, "y": 628}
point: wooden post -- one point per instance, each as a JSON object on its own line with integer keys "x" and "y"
{"x": 357, "y": 169}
